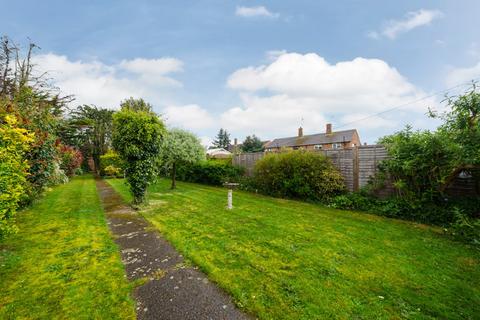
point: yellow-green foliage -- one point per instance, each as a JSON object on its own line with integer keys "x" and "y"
{"x": 113, "y": 171}
{"x": 111, "y": 164}
{"x": 62, "y": 263}
{"x": 14, "y": 142}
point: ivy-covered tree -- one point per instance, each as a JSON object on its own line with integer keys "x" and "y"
{"x": 137, "y": 137}
{"x": 180, "y": 147}
{"x": 252, "y": 144}
{"x": 222, "y": 140}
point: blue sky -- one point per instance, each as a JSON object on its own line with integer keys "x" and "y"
{"x": 257, "y": 66}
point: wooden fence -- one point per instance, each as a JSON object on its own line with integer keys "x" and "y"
{"x": 356, "y": 165}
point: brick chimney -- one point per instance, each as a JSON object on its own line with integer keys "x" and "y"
{"x": 329, "y": 128}
{"x": 300, "y": 132}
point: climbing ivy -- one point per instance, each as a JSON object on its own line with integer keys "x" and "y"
{"x": 137, "y": 137}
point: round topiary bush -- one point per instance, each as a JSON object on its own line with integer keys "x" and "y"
{"x": 298, "y": 174}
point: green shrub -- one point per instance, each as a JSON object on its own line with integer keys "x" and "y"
{"x": 298, "y": 174}
{"x": 70, "y": 159}
{"x": 14, "y": 142}
{"x": 465, "y": 228}
{"x": 354, "y": 201}
{"x": 419, "y": 163}
{"x": 439, "y": 213}
{"x": 111, "y": 159}
{"x": 210, "y": 172}
{"x": 57, "y": 176}
{"x": 112, "y": 171}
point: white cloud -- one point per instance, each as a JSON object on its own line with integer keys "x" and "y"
{"x": 206, "y": 141}
{"x": 154, "y": 71}
{"x": 273, "y": 116}
{"x": 369, "y": 121}
{"x": 474, "y": 50}
{"x": 94, "y": 82}
{"x": 158, "y": 66}
{"x": 189, "y": 117}
{"x": 412, "y": 20}
{"x": 272, "y": 55}
{"x": 463, "y": 75}
{"x": 275, "y": 97}
{"x": 258, "y": 11}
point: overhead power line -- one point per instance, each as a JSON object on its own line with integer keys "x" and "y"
{"x": 409, "y": 103}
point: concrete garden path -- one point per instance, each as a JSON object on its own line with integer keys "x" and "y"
{"x": 172, "y": 290}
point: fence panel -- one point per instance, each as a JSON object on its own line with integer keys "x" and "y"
{"x": 356, "y": 165}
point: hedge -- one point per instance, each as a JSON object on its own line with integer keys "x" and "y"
{"x": 14, "y": 142}
{"x": 298, "y": 174}
{"x": 210, "y": 172}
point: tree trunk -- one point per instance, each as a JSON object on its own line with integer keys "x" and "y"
{"x": 96, "y": 164}
{"x": 174, "y": 175}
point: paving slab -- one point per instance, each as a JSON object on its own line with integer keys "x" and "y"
{"x": 172, "y": 290}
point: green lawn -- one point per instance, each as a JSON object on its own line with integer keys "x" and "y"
{"x": 283, "y": 259}
{"x": 62, "y": 264}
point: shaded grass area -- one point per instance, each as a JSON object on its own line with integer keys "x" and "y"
{"x": 62, "y": 264}
{"x": 283, "y": 259}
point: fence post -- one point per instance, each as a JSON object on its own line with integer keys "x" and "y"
{"x": 356, "y": 169}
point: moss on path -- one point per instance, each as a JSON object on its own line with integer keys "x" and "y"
{"x": 171, "y": 289}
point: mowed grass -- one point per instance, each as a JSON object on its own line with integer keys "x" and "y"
{"x": 62, "y": 264}
{"x": 283, "y": 259}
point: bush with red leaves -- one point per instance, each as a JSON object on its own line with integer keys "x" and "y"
{"x": 70, "y": 159}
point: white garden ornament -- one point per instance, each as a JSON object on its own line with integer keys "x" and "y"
{"x": 230, "y": 186}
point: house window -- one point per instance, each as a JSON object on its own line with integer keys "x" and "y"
{"x": 318, "y": 147}
{"x": 337, "y": 146}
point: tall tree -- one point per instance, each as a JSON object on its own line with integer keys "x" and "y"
{"x": 222, "y": 140}
{"x": 136, "y": 105}
{"x": 93, "y": 127}
{"x": 179, "y": 147}
{"x": 137, "y": 137}
{"x": 252, "y": 144}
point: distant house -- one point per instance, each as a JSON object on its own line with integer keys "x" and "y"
{"x": 237, "y": 147}
{"x": 218, "y": 153}
{"x": 320, "y": 141}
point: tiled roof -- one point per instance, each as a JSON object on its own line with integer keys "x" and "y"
{"x": 320, "y": 138}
